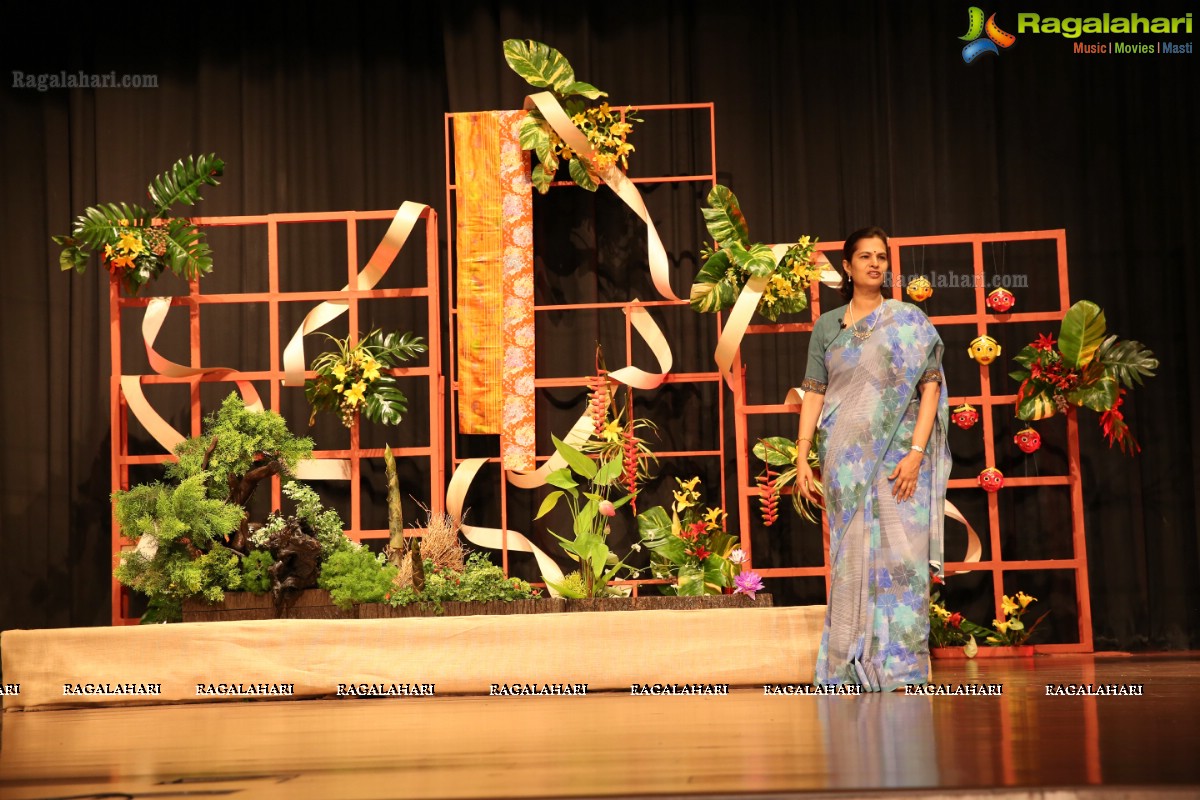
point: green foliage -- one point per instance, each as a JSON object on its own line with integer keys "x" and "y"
{"x": 351, "y": 377}
{"x": 162, "y": 609}
{"x": 1081, "y": 333}
{"x": 735, "y": 260}
{"x": 256, "y": 572}
{"x": 780, "y": 451}
{"x": 356, "y": 575}
{"x": 481, "y": 581}
{"x": 326, "y": 523}
{"x": 244, "y": 438}
{"x": 606, "y": 129}
{"x": 183, "y": 181}
{"x": 1127, "y": 361}
{"x": 138, "y": 244}
{"x": 169, "y": 513}
{"x": 173, "y": 573}
{"x": 689, "y": 546}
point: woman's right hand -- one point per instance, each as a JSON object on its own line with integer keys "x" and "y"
{"x": 805, "y": 483}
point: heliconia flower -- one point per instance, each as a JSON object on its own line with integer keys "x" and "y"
{"x": 607, "y": 508}
{"x": 748, "y": 583}
{"x": 738, "y": 556}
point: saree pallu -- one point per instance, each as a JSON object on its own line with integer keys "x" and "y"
{"x": 881, "y": 551}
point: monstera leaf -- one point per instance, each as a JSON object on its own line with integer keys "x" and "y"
{"x": 1127, "y": 361}
{"x": 1081, "y": 333}
{"x": 183, "y": 181}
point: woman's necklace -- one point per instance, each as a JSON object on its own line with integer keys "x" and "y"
{"x": 858, "y": 334}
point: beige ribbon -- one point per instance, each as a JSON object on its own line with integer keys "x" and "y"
{"x": 747, "y": 304}
{"x": 493, "y": 538}
{"x": 580, "y": 432}
{"x": 381, "y": 260}
{"x": 795, "y": 396}
{"x": 616, "y": 180}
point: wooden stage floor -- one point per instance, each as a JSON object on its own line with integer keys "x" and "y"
{"x": 1022, "y": 743}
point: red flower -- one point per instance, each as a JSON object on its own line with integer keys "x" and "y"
{"x": 701, "y": 552}
{"x": 938, "y": 580}
{"x": 1044, "y": 342}
{"x": 955, "y": 620}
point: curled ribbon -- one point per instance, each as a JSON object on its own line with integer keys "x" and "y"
{"x": 747, "y": 304}
{"x": 164, "y": 433}
{"x": 615, "y": 179}
{"x": 580, "y": 432}
{"x": 380, "y": 262}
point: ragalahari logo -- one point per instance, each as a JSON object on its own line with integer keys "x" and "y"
{"x": 976, "y": 27}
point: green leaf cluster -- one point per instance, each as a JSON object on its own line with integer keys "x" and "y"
{"x": 598, "y": 565}
{"x": 256, "y": 572}
{"x": 1087, "y": 369}
{"x": 243, "y": 439}
{"x": 167, "y": 243}
{"x": 174, "y": 573}
{"x": 480, "y": 581}
{"x": 730, "y": 264}
{"x": 382, "y": 402}
{"x": 356, "y": 575}
{"x": 670, "y": 559}
{"x": 780, "y": 451}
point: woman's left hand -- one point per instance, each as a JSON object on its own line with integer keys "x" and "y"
{"x": 904, "y": 476}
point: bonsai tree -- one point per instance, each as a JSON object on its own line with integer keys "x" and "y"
{"x": 191, "y": 530}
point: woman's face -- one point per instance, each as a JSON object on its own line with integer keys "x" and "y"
{"x": 868, "y": 265}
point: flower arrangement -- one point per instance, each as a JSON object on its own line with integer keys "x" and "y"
{"x": 692, "y": 548}
{"x": 1082, "y": 368}
{"x": 952, "y": 629}
{"x": 779, "y": 451}
{"x": 586, "y": 485}
{"x": 607, "y": 129}
{"x": 350, "y": 378}
{"x": 735, "y": 260}
{"x": 137, "y": 244}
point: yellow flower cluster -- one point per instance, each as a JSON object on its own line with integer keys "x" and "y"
{"x": 128, "y": 247}
{"x": 353, "y": 376}
{"x": 606, "y": 130}
{"x": 797, "y": 270}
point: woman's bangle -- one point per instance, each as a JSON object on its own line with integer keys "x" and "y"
{"x": 917, "y": 449}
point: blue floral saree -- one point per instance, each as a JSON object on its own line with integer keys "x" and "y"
{"x": 881, "y": 551}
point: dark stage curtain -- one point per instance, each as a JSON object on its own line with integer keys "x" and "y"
{"x": 829, "y": 117}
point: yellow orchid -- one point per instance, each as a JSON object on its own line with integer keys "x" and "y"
{"x": 339, "y": 372}
{"x": 1025, "y": 599}
{"x": 1007, "y": 605}
{"x": 713, "y": 515}
{"x": 612, "y": 431}
{"x": 370, "y": 369}
{"x": 121, "y": 262}
{"x": 1001, "y": 626}
{"x": 355, "y": 395}
{"x": 108, "y": 251}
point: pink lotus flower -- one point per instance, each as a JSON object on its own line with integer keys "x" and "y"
{"x": 748, "y": 583}
{"x": 607, "y": 508}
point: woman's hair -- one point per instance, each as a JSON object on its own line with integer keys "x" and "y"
{"x": 873, "y": 232}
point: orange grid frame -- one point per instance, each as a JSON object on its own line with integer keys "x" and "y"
{"x": 194, "y": 301}
{"x": 714, "y": 377}
{"x": 981, "y": 319}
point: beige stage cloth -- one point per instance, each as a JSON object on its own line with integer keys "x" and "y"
{"x": 609, "y": 650}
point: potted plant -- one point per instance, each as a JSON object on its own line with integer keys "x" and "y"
{"x": 953, "y": 636}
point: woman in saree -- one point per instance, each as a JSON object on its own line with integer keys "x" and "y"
{"x": 875, "y": 389}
